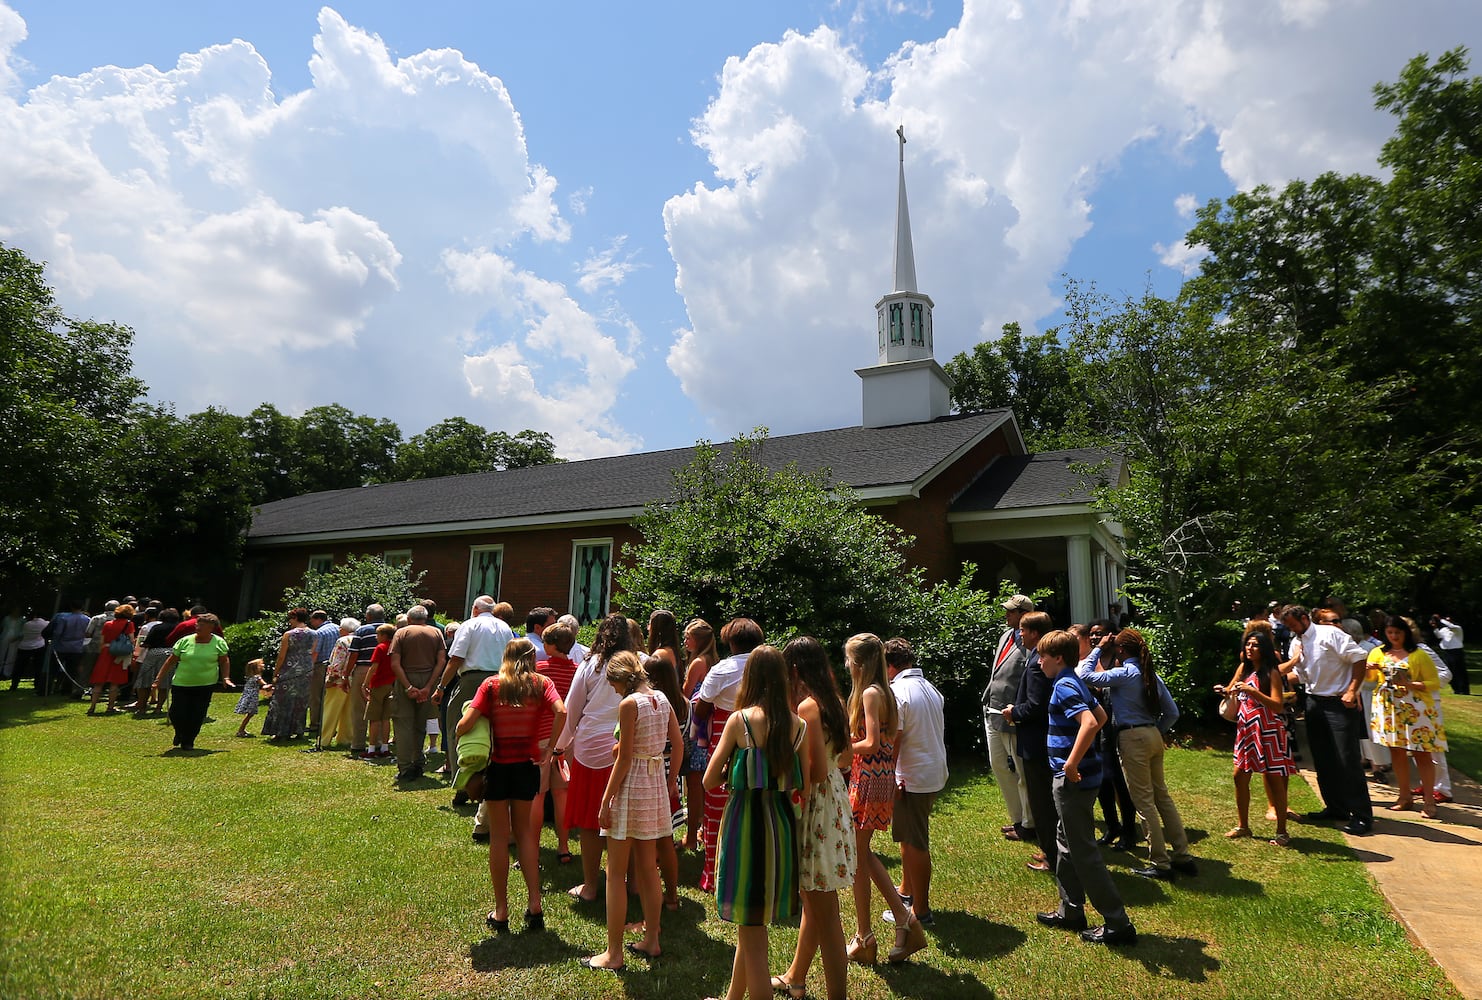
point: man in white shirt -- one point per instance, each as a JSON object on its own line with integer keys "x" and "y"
{"x": 1451, "y": 641}
{"x": 578, "y": 651}
{"x": 920, "y": 773}
{"x": 1332, "y": 666}
{"x": 714, "y": 703}
{"x": 476, "y": 653}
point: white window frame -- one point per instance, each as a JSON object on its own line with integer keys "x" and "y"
{"x": 575, "y": 603}
{"x": 327, "y": 558}
{"x": 474, "y": 551}
{"x": 397, "y": 557}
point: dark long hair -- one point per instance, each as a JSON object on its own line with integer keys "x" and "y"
{"x": 764, "y": 685}
{"x": 1404, "y": 625}
{"x": 612, "y": 637}
{"x": 1267, "y": 650}
{"x": 1132, "y": 645}
{"x": 664, "y": 677}
{"x": 808, "y": 662}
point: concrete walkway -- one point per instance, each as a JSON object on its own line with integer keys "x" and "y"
{"x": 1431, "y": 873}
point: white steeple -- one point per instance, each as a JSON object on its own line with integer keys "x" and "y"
{"x": 906, "y": 385}
{"x": 905, "y": 257}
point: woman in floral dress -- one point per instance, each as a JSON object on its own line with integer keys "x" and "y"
{"x": 291, "y": 676}
{"x": 1407, "y": 711}
{"x": 825, "y": 830}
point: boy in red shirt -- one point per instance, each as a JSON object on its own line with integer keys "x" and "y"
{"x": 560, "y": 668}
{"x": 377, "y": 693}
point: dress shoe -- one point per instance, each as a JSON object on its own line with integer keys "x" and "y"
{"x": 1005, "y": 829}
{"x": 1153, "y": 871}
{"x": 1126, "y": 843}
{"x": 1325, "y": 816}
{"x": 1358, "y": 828}
{"x": 1063, "y": 921}
{"x": 1037, "y": 866}
{"x": 1109, "y": 837}
{"x": 1186, "y": 867}
{"x": 1110, "y": 935}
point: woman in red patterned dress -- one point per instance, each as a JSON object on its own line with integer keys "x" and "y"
{"x": 1260, "y": 732}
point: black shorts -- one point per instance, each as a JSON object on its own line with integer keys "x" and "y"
{"x": 511, "y": 781}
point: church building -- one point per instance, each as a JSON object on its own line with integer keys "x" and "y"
{"x": 962, "y": 484}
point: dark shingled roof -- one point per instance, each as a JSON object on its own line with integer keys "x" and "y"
{"x": 862, "y": 457}
{"x": 1041, "y": 479}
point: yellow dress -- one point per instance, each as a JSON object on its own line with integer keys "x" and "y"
{"x": 1402, "y": 719}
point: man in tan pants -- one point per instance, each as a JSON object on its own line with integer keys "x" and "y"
{"x": 417, "y": 656}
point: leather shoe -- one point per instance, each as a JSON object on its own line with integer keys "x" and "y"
{"x": 1325, "y": 816}
{"x": 1110, "y": 935}
{"x": 1358, "y": 828}
{"x": 1063, "y": 921}
{"x": 1186, "y": 867}
{"x": 1108, "y": 838}
{"x": 1153, "y": 871}
{"x": 1126, "y": 843}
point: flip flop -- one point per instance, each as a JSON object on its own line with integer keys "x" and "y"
{"x": 586, "y": 962}
{"x": 575, "y": 893}
{"x": 564, "y": 858}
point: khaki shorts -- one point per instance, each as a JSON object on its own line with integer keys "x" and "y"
{"x": 911, "y": 822}
{"x": 551, "y": 776}
{"x": 378, "y": 709}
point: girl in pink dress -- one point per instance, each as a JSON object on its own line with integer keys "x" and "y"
{"x": 634, "y": 813}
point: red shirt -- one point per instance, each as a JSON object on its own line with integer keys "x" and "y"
{"x": 381, "y": 672}
{"x": 516, "y": 728}
{"x": 560, "y": 669}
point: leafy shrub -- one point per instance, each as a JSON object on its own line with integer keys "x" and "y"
{"x": 253, "y": 639}
{"x": 956, "y": 633}
{"x": 348, "y": 588}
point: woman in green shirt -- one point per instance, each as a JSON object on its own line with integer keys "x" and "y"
{"x": 198, "y": 661}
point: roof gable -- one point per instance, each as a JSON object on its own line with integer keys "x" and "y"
{"x": 1042, "y": 479}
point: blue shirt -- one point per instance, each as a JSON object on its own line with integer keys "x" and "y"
{"x": 325, "y": 636}
{"x": 69, "y": 631}
{"x": 1124, "y": 684}
{"x": 1068, "y": 699}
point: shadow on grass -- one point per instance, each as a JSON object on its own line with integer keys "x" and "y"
{"x": 507, "y": 951}
{"x": 967, "y": 935}
{"x": 1182, "y": 958}
{"x": 917, "y": 979}
{"x": 1215, "y": 878}
{"x": 22, "y": 708}
{"x": 196, "y": 752}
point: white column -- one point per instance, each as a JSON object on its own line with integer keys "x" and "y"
{"x": 1078, "y": 573}
{"x": 1102, "y": 575}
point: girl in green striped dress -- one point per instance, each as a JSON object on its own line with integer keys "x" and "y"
{"x": 762, "y": 757}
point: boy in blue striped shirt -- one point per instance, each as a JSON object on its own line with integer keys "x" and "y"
{"x": 1075, "y": 716}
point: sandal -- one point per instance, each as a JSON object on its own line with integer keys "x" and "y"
{"x": 564, "y": 858}
{"x": 797, "y": 991}
{"x": 1239, "y": 832}
{"x": 1402, "y": 805}
{"x": 863, "y": 950}
{"x": 1280, "y": 840}
{"x": 908, "y": 941}
{"x": 496, "y": 925}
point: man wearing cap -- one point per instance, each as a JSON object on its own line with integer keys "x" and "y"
{"x": 1003, "y": 687}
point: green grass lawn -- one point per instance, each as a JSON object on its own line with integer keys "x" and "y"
{"x": 252, "y": 870}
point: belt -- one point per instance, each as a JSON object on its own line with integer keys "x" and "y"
{"x": 476, "y": 670}
{"x": 1137, "y": 725}
{"x": 1325, "y": 697}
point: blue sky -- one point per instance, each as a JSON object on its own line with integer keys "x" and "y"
{"x": 634, "y": 226}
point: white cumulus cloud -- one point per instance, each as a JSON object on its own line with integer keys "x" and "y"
{"x": 225, "y": 223}
{"x": 1013, "y": 118}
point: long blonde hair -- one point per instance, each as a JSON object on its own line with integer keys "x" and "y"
{"x": 868, "y": 654}
{"x": 517, "y": 672}
{"x": 705, "y": 639}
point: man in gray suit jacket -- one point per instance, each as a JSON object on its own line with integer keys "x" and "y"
{"x": 1003, "y": 686}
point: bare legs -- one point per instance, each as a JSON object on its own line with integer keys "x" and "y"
{"x": 749, "y": 976}
{"x": 916, "y": 878}
{"x": 1242, "y": 801}
{"x": 694, "y": 803}
{"x": 1276, "y": 795}
{"x": 871, "y": 869}
{"x": 591, "y": 865}
{"x": 1426, "y": 768}
{"x": 646, "y": 873}
{"x": 820, "y": 931}
{"x": 97, "y": 693}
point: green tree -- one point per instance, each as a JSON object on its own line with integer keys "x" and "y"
{"x": 271, "y": 440}
{"x": 1030, "y": 375}
{"x": 455, "y": 447}
{"x": 791, "y": 549}
{"x": 65, "y": 390}
{"x": 335, "y": 449}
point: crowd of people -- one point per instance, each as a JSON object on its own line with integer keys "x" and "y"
{"x": 761, "y": 763}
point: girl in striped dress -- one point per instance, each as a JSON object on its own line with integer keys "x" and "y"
{"x": 1260, "y": 732}
{"x": 763, "y": 758}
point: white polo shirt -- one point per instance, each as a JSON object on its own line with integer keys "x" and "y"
{"x": 1328, "y": 656}
{"x": 481, "y": 641}
{"x": 722, "y": 682}
{"x": 921, "y": 764}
